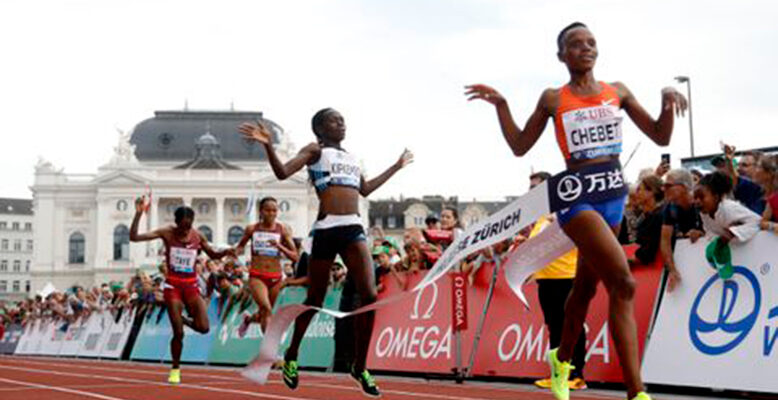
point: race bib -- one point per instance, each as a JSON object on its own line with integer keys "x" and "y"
{"x": 182, "y": 260}
{"x": 261, "y": 243}
{"x": 593, "y": 132}
{"x": 345, "y": 171}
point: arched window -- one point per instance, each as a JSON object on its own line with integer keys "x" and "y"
{"x": 76, "y": 246}
{"x": 206, "y": 231}
{"x": 121, "y": 243}
{"x": 234, "y": 235}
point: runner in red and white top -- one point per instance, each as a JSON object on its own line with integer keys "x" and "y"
{"x": 270, "y": 241}
{"x": 182, "y": 246}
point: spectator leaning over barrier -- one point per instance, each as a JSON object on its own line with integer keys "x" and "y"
{"x": 681, "y": 219}
{"x": 743, "y": 189}
{"x": 748, "y": 164}
{"x": 631, "y": 219}
{"x": 766, "y": 174}
{"x": 721, "y": 216}
{"x": 385, "y": 268}
{"x": 650, "y": 199}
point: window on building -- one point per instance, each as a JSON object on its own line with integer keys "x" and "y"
{"x": 234, "y": 235}
{"x": 28, "y": 226}
{"x": 121, "y": 205}
{"x": 121, "y": 243}
{"x": 27, "y": 287}
{"x": 3, "y": 225}
{"x": 418, "y": 221}
{"x": 204, "y": 208}
{"x": 15, "y": 226}
{"x": 18, "y": 245}
{"x": 207, "y": 232}
{"x": 4, "y": 266}
{"x": 236, "y": 208}
{"x": 391, "y": 222}
{"x": 27, "y": 266}
{"x": 379, "y": 222}
{"x": 284, "y": 206}
{"x": 3, "y": 286}
{"x": 29, "y": 244}
{"x": 16, "y": 287}
{"x": 76, "y": 246}
{"x": 4, "y": 245}
{"x": 17, "y": 266}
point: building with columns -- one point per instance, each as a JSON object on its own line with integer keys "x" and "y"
{"x": 196, "y": 158}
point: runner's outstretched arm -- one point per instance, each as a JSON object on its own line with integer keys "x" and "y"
{"x": 658, "y": 130}
{"x": 259, "y": 133}
{"x": 519, "y": 140}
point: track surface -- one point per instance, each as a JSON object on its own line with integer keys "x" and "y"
{"x": 33, "y": 378}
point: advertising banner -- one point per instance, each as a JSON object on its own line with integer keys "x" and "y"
{"x": 98, "y": 325}
{"x": 316, "y": 350}
{"x": 719, "y": 333}
{"x": 10, "y": 338}
{"x": 416, "y": 333}
{"x": 116, "y": 337}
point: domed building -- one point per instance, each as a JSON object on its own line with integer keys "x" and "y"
{"x": 196, "y": 158}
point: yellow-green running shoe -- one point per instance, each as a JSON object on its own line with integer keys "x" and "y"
{"x": 560, "y": 373}
{"x": 289, "y": 372}
{"x": 642, "y": 396}
{"x": 175, "y": 376}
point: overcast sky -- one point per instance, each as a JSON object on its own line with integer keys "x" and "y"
{"x": 73, "y": 71}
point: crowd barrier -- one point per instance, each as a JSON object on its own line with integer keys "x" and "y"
{"x": 715, "y": 333}
{"x": 707, "y": 330}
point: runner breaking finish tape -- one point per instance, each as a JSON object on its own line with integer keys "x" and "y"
{"x": 588, "y": 130}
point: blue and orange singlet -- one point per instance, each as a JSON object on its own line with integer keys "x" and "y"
{"x": 588, "y": 127}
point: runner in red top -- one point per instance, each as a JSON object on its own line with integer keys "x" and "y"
{"x": 269, "y": 242}
{"x": 586, "y": 114}
{"x": 182, "y": 246}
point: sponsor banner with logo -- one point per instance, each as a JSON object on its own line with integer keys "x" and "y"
{"x": 10, "y": 338}
{"x": 715, "y": 333}
{"x": 515, "y": 339}
{"x": 416, "y": 333}
{"x": 73, "y": 337}
{"x": 316, "y": 350}
{"x": 31, "y": 337}
{"x": 153, "y": 340}
{"x": 115, "y": 338}
{"x": 97, "y": 326}
{"x": 51, "y": 340}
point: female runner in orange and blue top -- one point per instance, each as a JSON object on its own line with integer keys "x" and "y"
{"x": 585, "y": 113}
{"x": 269, "y": 242}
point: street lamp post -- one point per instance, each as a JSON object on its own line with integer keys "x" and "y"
{"x": 688, "y": 81}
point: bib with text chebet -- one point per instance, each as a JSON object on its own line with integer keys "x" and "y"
{"x": 593, "y": 132}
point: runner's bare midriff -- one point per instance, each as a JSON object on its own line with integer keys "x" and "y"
{"x": 339, "y": 200}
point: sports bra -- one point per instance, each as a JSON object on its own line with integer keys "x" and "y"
{"x": 588, "y": 127}
{"x": 335, "y": 167}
